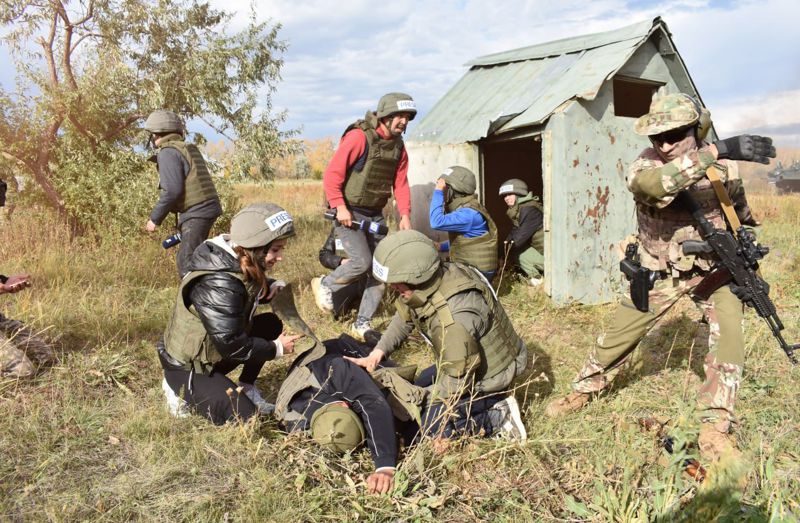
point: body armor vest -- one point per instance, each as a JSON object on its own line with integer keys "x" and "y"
{"x": 198, "y": 186}
{"x": 499, "y": 346}
{"x": 514, "y": 212}
{"x": 480, "y": 251}
{"x": 371, "y": 186}
{"x": 662, "y": 231}
{"x": 185, "y": 338}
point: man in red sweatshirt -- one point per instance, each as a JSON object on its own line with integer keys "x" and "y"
{"x": 370, "y": 162}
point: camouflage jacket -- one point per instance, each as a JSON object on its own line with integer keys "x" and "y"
{"x": 664, "y": 226}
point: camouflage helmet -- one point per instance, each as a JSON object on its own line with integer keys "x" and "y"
{"x": 162, "y": 121}
{"x": 460, "y": 179}
{"x": 513, "y": 186}
{"x": 393, "y": 103}
{"x": 405, "y": 257}
{"x": 337, "y": 428}
{"x": 260, "y": 224}
{"x": 673, "y": 111}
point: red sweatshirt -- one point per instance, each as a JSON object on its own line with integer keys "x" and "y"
{"x": 351, "y": 147}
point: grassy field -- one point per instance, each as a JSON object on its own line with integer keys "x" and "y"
{"x": 90, "y": 438}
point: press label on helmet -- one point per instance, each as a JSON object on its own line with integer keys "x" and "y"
{"x": 506, "y": 188}
{"x": 379, "y": 271}
{"x": 277, "y": 220}
{"x": 447, "y": 172}
{"x": 405, "y": 105}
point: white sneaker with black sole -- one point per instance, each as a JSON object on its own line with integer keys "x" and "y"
{"x": 506, "y": 420}
{"x": 323, "y": 296}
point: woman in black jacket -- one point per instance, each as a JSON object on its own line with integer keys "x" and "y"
{"x": 213, "y": 329}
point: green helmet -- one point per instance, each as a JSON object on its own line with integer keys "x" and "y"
{"x": 162, "y": 121}
{"x": 514, "y": 186}
{"x": 392, "y": 103}
{"x": 459, "y": 179}
{"x": 260, "y": 224}
{"x": 337, "y": 428}
{"x": 405, "y": 257}
{"x": 673, "y": 111}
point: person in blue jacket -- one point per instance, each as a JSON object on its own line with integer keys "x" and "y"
{"x": 472, "y": 233}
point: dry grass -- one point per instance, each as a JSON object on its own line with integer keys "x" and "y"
{"x": 89, "y": 439}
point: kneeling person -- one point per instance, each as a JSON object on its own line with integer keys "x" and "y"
{"x": 477, "y": 350}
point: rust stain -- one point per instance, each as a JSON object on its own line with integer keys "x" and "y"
{"x": 600, "y": 210}
{"x": 612, "y": 137}
{"x": 575, "y": 162}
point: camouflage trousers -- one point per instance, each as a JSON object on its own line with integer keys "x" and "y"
{"x": 723, "y": 364}
{"x": 18, "y": 345}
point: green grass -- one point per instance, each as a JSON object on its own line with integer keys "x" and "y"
{"x": 90, "y": 439}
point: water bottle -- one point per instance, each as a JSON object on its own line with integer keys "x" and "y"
{"x": 172, "y": 241}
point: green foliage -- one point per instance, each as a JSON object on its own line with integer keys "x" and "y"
{"x": 104, "y": 66}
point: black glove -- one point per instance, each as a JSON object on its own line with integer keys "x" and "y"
{"x": 747, "y": 147}
{"x": 744, "y": 294}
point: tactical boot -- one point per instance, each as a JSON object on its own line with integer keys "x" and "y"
{"x": 715, "y": 444}
{"x": 322, "y": 295}
{"x": 252, "y": 393}
{"x": 572, "y": 402}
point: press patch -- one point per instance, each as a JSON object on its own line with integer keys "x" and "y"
{"x": 278, "y": 220}
{"x": 406, "y": 105}
{"x": 379, "y": 271}
{"x": 506, "y": 188}
{"x": 339, "y": 245}
{"x": 447, "y": 172}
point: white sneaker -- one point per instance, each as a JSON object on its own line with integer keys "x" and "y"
{"x": 507, "y": 420}
{"x": 360, "y": 327}
{"x": 263, "y": 406}
{"x": 322, "y": 294}
{"x": 535, "y": 282}
{"x": 177, "y": 406}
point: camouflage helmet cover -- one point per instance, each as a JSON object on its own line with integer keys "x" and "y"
{"x": 513, "y": 186}
{"x": 392, "y": 103}
{"x": 162, "y": 121}
{"x": 337, "y": 428}
{"x": 459, "y": 179}
{"x": 669, "y": 112}
{"x": 405, "y": 257}
{"x": 260, "y": 224}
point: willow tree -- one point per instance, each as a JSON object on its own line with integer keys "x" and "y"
{"x": 88, "y": 72}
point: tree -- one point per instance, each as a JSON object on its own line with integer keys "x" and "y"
{"x": 88, "y": 71}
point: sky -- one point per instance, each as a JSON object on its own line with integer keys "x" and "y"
{"x": 744, "y": 56}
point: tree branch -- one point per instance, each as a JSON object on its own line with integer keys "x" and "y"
{"x": 47, "y": 47}
{"x": 112, "y": 133}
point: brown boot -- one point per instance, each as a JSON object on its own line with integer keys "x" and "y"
{"x": 572, "y": 402}
{"x": 715, "y": 444}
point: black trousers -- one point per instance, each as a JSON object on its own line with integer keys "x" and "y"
{"x": 194, "y": 231}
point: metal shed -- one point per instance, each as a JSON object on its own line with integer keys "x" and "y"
{"x": 560, "y": 116}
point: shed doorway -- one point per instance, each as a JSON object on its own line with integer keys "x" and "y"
{"x": 518, "y": 158}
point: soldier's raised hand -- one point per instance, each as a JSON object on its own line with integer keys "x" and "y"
{"x": 747, "y": 147}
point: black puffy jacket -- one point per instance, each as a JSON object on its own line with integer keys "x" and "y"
{"x": 220, "y": 301}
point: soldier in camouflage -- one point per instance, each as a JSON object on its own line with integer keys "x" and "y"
{"x": 19, "y": 346}
{"x": 677, "y": 161}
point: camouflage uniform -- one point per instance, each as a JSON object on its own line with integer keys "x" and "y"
{"x": 662, "y": 229}
{"x": 17, "y": 345}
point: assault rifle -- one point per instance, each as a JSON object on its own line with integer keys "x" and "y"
{"x": 361, "y": 225}
{"x": 738, "y": 258}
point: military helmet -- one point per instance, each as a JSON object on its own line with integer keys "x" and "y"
{"x": 459, "y": 179}
{"x": 337, "y": 428}
{"x": 392, "y": 103}
{"x": 405, "y": 257}
{"x": 673, "y": 111}
{"x": 162, "y": 121}
{"x": 514, "y": 186}
{"x": 260, "y": 224}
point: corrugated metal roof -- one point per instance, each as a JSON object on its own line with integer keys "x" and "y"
{"x": 524, "y": 86}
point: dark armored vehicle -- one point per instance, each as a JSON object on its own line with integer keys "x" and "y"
{"x": 786, "y": 179}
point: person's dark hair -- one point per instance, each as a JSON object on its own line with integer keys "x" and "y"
{"x": 251, "y": 262}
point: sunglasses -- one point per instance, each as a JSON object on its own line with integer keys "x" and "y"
{"x": 674, "y": 136}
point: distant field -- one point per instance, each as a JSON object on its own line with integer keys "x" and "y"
{"x": 90, "y": 439}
